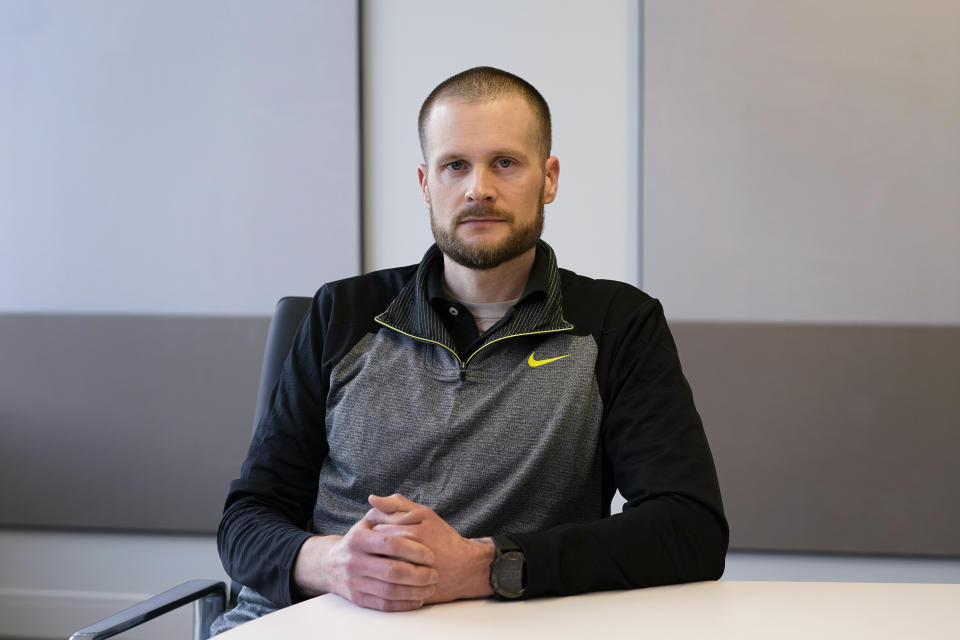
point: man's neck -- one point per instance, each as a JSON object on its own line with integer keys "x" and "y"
{"x": 504, "y": 282}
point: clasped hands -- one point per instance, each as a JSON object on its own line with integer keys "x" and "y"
{"x": 398, "y": 557}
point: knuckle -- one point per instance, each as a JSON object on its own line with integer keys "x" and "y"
{"x": 418, "y": 509}
{"x": 391, "y": 545}
{"x": 375, "y": 588}
{"x": 416, "y": 576}
{"x": 353, "y": 564}
{"x": 357, "y": 527}
{"x": 353, "y": 584}
{"x": 396, "y": 571}
{"x": 430, "y": 577}
{"x": 384, "y": 542}
{"x": 352, "y": 593}
{"x": 391, "y": 572}
{"x": 422, "y": 593}
{"x": 352, "y": 536}
{"x": 394, "y": 592}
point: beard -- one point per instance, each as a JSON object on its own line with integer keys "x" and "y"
{"x": 483, "y": 257}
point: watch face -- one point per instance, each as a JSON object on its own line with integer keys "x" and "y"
{"x": 508, "y": 574}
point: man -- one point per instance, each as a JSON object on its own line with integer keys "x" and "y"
{"x": 457, "y": 429}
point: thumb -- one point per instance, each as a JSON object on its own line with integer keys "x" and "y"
{"x": 390, "y": 504}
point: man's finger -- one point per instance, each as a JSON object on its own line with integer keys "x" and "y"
{"x": 390, "y": 591}
{"x": 398, "y": 572}
{"x": 405, "y": 530}
{"x": 390, "y": 504}
{"x": 392, "y": 546}
{"x": 376, "y": 516}
{"x": 375, "y": 602}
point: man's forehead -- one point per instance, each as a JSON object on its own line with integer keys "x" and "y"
{"x": 507, "y": 122}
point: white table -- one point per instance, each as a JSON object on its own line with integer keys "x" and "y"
{"x": 704, "y": 610}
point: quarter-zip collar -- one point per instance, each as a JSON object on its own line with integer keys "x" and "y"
{"x": 537, "y": 283}
{"x": 411, "y": 312}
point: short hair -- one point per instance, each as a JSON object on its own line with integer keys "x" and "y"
{"x": 482, "y": 84}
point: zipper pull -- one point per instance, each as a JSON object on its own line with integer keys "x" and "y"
{"x": 463, "y": 373}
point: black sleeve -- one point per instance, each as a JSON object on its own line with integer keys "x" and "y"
{"x": 672, "y": 528}
{"x": 268, "y": 509}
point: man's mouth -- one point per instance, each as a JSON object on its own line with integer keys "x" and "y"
{"x": 481, "y": 219}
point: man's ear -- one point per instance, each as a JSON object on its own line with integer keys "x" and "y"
{"x": 422, "y": 177}
{"x": 551, "y": 174}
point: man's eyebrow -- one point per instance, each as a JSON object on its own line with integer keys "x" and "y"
{"x": 514, "y": 153}
{"x": 448, "y": 157}
{"x": 496, "y": 153}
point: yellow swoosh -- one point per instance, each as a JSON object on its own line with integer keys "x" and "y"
{"x": 533, "y": 362}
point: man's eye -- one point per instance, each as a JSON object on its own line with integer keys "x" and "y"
{"x": 504, "y": 163}
{"x": 456, "y": 165}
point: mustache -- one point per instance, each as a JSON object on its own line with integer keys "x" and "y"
{"x": 481, "y": 211}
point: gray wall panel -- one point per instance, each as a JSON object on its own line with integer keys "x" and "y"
{"x": 827, "y": 438}
{"x": 124, "y": 422}
{"x": 832, "y": 438}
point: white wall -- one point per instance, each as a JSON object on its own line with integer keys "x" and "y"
{"x": 583, "y": 57}
{"x": 177, "y": 156}
{"x": 802, "y": 160}
{"x": 53, "y": 583}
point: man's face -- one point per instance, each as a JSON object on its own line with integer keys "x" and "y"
{"x": 484, "y": 181}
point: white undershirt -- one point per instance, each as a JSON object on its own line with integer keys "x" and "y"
{"x": 488, "y": 313}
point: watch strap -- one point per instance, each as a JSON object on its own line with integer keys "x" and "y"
{"x": 504, "y": 543}
{"x": 506, "y": 553}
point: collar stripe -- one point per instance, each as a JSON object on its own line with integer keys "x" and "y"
{"x": 411, "y": 314}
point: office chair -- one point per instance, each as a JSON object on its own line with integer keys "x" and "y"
{"x": 210, "y": 597}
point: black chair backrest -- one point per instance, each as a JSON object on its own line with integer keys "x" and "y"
{"x": 286, "y": 319}
{"x": 283, "y": 327}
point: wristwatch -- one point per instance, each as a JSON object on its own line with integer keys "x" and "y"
{"x": 508, "y": 571}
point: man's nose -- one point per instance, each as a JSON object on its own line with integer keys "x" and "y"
{"x": 481, "y": 187}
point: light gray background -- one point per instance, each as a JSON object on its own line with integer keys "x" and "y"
{"x": 176, "y": 157}
{"x": 584, "y": 58}
{"x": 801, "y": 161}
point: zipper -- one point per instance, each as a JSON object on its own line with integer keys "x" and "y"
{"x": 463, "y": 363}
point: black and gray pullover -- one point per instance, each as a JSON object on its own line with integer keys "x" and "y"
{"x": 526, "y": 430}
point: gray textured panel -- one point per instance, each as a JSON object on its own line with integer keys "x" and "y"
{"x": 124, "y": 422}
{"x": 832, "y": 438}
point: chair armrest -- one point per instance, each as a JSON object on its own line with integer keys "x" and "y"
{"x": 212, "y": 592}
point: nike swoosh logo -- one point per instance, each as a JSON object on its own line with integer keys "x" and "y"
{"x": 533, "y": 362}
